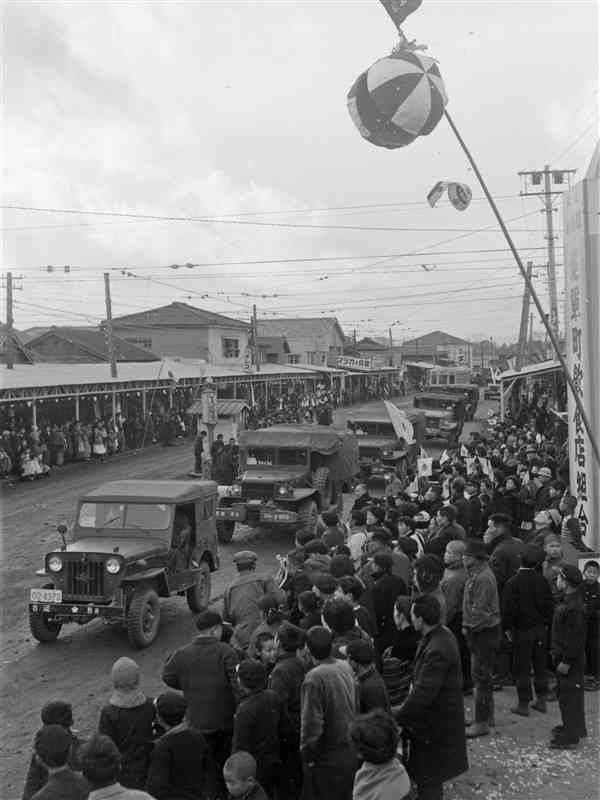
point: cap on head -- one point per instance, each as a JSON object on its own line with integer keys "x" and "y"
{"x": 208, "y": 619}
{"x": 456, "y": 547}
{"x": 245, "y": 558}
{"x": 361, "y": 651}
{"x": 171, "y": 706}
{"x": 531, "y": 555}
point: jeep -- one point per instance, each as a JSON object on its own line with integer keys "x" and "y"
{"x": 440, "y": 420}
{"x": 133, "y": 543}
{"x": 289, "y": 473}
{"x": 380, "y": 453}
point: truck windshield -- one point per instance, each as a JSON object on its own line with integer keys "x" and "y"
{"x": 116, "y": 516}
{"x": 289, "y": 457}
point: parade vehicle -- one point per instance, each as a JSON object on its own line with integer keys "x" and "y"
{"x": 134, "y": 542}
{"x": 381, "y": 454}
{"x": 440, "y": 417}
{"x": 470, "y": 391}
{"x": 289, "y": 473}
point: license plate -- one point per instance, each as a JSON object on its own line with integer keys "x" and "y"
{"x": 254, "y": 502}
{"x": 45, "y": 596}
{"x": 277, "y": 516}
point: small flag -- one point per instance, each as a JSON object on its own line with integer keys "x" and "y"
{"x": 424, "y": 453}
{"x": 463, "y": 451}
{"x": 444, "y": 457}
{"x": 424, "y": 467}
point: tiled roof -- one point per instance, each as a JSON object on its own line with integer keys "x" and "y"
{"x": 93, "y": 341}
{"x": 178, "y": 314}
{"x": 434, "y": 338}
{"x": 19, "y": 347}
{"x": 307, "y": 326}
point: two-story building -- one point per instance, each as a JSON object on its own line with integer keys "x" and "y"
{"x": 184, "y": 331}
{"x": 438, "y": 347}
{"x": 311, "y": 340}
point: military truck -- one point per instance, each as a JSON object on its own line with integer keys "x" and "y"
{"x": 133, "y": 543}
{"x": 289, "y": 473}
{"x": 440, "y": 419}
{"x": 380, "y": 453}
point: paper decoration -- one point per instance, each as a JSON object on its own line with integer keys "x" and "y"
{"x": 444, "y": 457}
{"x": 460, "y": 195}
{"x": 424, "y": 467}
{"x": 437, "y": 192}
{"x": 402, "y": 425}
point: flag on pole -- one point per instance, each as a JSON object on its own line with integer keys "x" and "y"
{"x": 424, "y": 467}
{"x": 444, "y": 457}
{"x": 463, "y": 451}
{"x": 424, "y": 453}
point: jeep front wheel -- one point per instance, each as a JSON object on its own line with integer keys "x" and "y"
{"x": 322, "y": 483}
{"x": 225, "y": 529}
{"x": 198, "y": 595}
{"x": 308, "y": 515}
{"x": 143, "y": 617}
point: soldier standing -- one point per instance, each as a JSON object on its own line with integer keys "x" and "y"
{"x": 240, "y": 602}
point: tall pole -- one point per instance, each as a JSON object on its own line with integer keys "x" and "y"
{"x": 10, "y": 358}
{"x": 530, "y": 349}
{"x": 255, "y": 339}
{"x": 524, "y": 318}
{"x": 551, "y": 255}
{"x": 555, "y": 343}
{"x": 109, "y": 326}
{"x": 391, "y": 348}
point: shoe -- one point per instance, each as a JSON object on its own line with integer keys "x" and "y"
{"x": 560, "y": 743}
{"x": 540, "y": 705}
{"x": 522, "y": 710}
{"x": 556, "y": 730}
{"x": 477, "y": 729}
{"x": 468, "y": 692}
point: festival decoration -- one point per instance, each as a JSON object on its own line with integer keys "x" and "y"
{"x": 460, "y": 195}
{"x": 437, "y": 192}
{"x": 398, "y": 99}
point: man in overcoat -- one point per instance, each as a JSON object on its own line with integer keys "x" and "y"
{"x": 432, "y": 715}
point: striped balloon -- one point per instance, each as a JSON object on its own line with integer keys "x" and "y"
{"x": 397, "y": 99}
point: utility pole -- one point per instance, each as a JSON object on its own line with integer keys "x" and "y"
{"x": 109, "y": 326}
{"x": 557, "y": 177}
{"x": 524, "y": 317}
{"x": 391, "y": 348}
{"x": 530, "y": 337}
{"x": 255, "y": 339}
{"x": 10, "y": 358}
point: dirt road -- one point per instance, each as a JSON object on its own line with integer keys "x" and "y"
{"x": 514, "y": 764}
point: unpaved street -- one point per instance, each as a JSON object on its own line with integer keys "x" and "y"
{"x": 513, "y": 764}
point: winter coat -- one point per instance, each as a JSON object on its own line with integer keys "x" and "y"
{"x": 568, "y": 630}
{"x": 262, "y": 728}
{"x": 527, "y": 601}
{"x": 481, "y": 604}
{"x": 381, "y": 781}
{"x": 286, "y": 681}
{"x": 182, "y": 766}
{"x": 131, "y": 730}
{"x": 505, "y": 560}
{"x": 433, "y": 712}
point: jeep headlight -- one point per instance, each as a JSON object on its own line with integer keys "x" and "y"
{"x": 285, "y": 490}
{"x": 387, "y": 453}
{"x": 113, "y": 565}
{"x": 388, "y": 476}
{"x": 55, "y": 564}
{"x": 235, "y": 490}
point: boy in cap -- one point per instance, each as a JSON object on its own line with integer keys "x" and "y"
{"x": 261, "y": 726}
{"x": 52, "y": 748}
{"x": 239, "y": 773}
{"x": 527, "y": 610}
{"x": 372, "y": 690}
{"x": 481, "y": 628}
{"x": 55, "y": 712}
{"x": 128, "y": 719}
{"x": 591, "y": 600}
{"x": 240, "y": 601}
{"x": 568, "y": 652}
{"x": 181, "y": 764}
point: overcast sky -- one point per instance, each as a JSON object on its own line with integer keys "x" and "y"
{"x": 237, "y": 111}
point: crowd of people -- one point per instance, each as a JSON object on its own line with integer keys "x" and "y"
{"x": 344, "y": 675}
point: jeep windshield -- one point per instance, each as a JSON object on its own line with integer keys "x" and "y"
{"x": 361, "y": 428}
{"x": 280, "y": 457}
{"x": 120, "y": 516}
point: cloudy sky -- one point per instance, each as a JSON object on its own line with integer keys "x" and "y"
{"x": 236, "y": 112}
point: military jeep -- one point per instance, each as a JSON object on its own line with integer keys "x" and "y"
{"x": 440, "y": 418}
{"x": 289, "y": 473}
{"x": 133, "y": 543}
{"x": 380, "y": 453}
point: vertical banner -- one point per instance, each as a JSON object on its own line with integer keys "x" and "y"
{"x": 582, "y": 309}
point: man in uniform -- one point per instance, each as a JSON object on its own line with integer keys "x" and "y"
{"x": 240, "y": 602}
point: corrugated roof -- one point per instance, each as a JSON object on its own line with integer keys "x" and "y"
{"x": 177, "y": 314}
{"x": 531, "y": 369}
{"x": 94, "y": 342}
{"x": 19, "y": 347}
{"x": 369, "y": 345}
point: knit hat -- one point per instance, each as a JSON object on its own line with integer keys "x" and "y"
{"x": 208, "y": 619}
{"x": 476, "y": 549}
{"x": 572, "y": 575}
{"x": 125, "y": 676}
{"x": 361, "y": 651}
{"x": 252, "y": 674}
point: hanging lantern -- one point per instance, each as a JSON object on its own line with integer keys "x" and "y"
{"x": 397, "y": 99}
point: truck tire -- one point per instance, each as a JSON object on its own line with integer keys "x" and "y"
{"x": 198, "y": 595}
{"x": 322, "y": 483}
{"x": 42, "y": 630}
{"x": 308, "y": 514}
{"x": 225, "y": 529}
{"x": 143, "y": 617}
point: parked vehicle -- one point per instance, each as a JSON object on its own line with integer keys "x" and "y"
{"x": 440, "y": 418}
{"x": 133, "y": 543}
{"x": 469, "y": 391}
{"x": 289, "y": 473}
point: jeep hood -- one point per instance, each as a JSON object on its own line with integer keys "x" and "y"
{"x": 129, "y": 547}
{"x": 383, "y": 442}
{"x": 259, "y": 473}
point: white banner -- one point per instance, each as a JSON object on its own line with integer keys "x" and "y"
{"x": 402, "y": 425}
{"x": 424, "y": 467}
